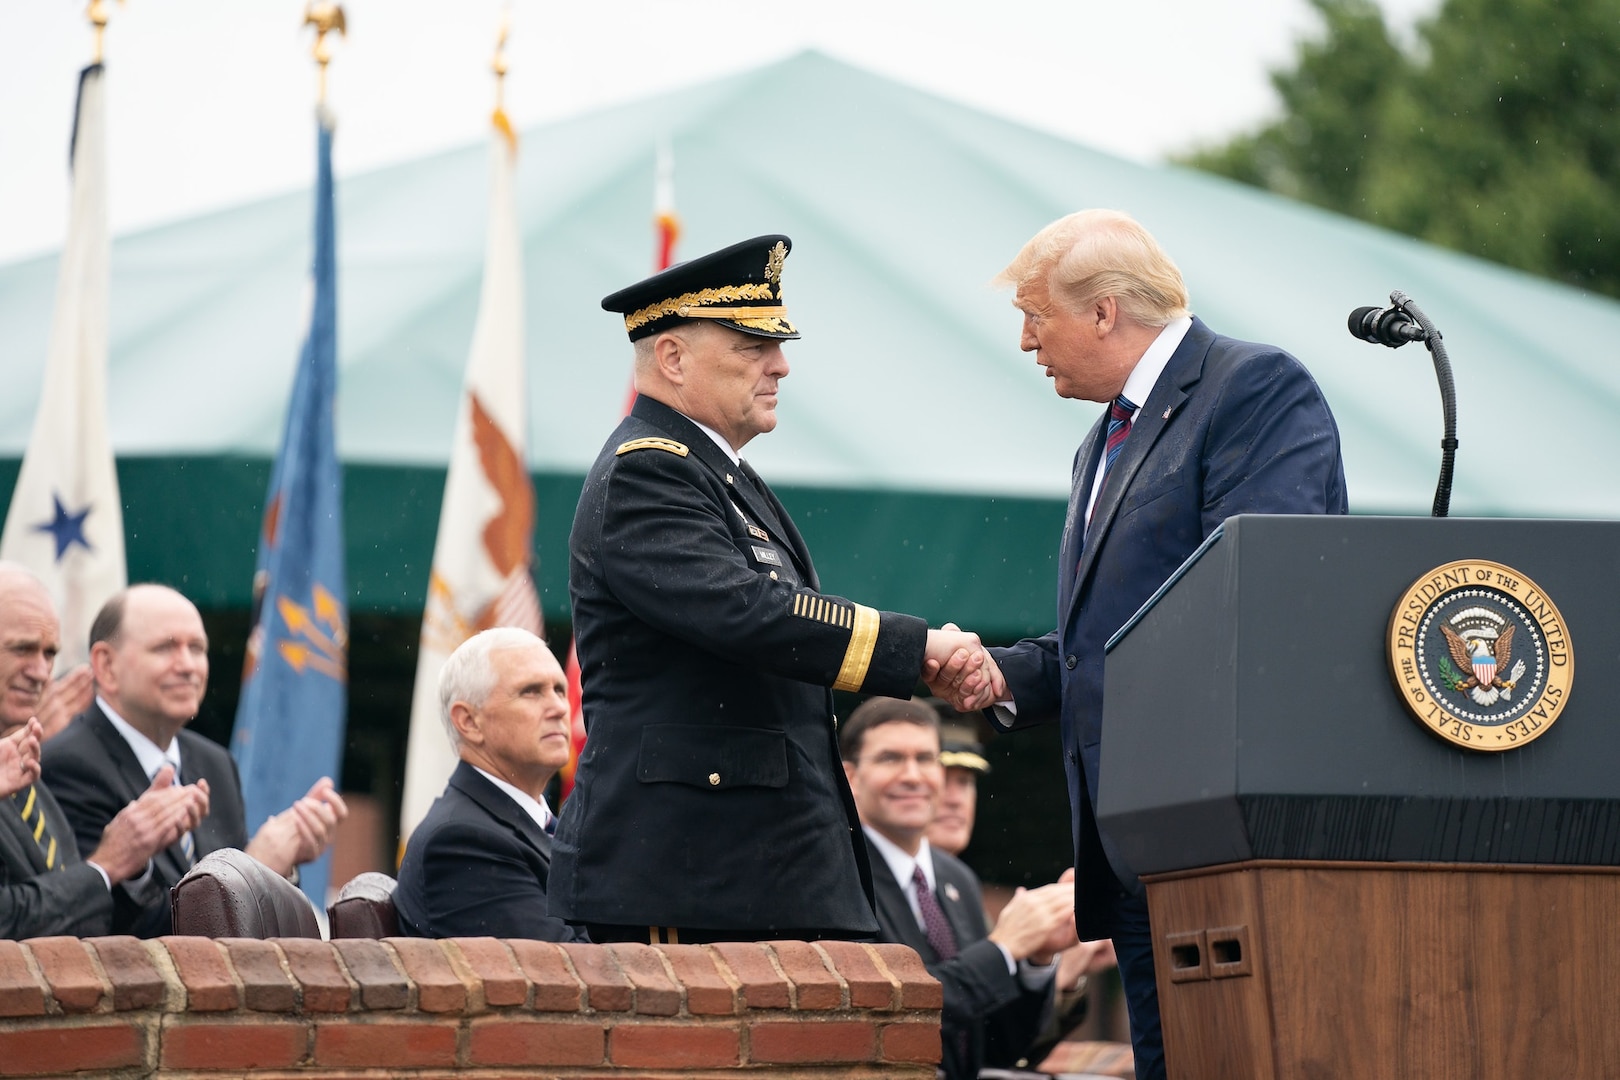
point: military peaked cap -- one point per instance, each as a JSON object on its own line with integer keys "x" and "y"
{"x": 959, "y": 747}
{"x": 739, "y": 286}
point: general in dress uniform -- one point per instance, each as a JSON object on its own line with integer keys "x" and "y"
{"x": 709, "y": 802}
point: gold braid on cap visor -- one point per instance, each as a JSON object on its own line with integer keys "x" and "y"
{"x": 698, "y": 305}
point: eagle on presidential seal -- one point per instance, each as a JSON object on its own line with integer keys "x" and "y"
{"x": 1486, "y": 659}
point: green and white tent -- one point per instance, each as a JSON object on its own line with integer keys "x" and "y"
{"x": 925, "y": 457}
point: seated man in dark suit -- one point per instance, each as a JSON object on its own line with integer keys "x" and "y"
{"x": 45, "y": 887}
{"x": 997, "y": 983}
{"x": 149, "y": 656}
{"x": 477, "y": 865}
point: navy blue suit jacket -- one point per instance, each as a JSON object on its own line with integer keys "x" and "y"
{"x": 477, "y": 867}
{"x": 95, "y": 774}
{"x": 1230, "y": 428}
{"x": 990, "y": 1018}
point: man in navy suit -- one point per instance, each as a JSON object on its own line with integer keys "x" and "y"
{"x": 997, "y": 983}
{"x": 477, "y": 865}
{"x": 149, "y": 656}
{"x": 46, "y": 888}
{"x": 1200, "y": 427}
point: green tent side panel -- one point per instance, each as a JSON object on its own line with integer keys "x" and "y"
{"x": 984, "y": 562}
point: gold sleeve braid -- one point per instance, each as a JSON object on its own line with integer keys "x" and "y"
{"x": 862, "y": 624}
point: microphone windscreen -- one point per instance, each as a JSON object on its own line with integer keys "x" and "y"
{"x": 1360, "y": 320}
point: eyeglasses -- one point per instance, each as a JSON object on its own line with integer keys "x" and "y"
{"x": 893, "y": 759}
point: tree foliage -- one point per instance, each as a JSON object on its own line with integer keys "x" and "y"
{"x": 1499, "y": 134}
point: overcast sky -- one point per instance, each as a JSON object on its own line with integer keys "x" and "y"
{"x": 209, "y": 100}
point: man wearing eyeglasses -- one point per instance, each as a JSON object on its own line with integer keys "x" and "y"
{"x": 997, "y": 983}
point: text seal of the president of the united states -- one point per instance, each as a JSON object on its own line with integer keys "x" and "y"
{"x": 1481, "y": 655}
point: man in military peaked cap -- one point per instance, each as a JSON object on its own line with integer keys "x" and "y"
{"x": 709, "y": 802}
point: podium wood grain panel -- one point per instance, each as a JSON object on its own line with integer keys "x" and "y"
{"x": 1214, "y": 1028}
{"x": 1362, "y": 970}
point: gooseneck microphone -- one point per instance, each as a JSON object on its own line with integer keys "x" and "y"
{"x": 1394, "y": 326}
{"x": 1385, "y": 326}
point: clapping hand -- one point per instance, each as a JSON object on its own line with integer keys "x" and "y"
{"x": 164, "y": 812}
{"x": 302, "y": 832}
{"x": 65, "y": 698}
{"x": 19, "y": 758}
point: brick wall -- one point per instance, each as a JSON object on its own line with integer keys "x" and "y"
{"x": 121, "y": 1007}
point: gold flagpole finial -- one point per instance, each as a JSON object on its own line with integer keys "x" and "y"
{"x": 97, "y": 14}
{"x": 499, "y": 66}
{"x": 324, "y": 17}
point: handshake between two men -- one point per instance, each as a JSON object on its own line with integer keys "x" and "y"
{"x": 958, "y": 669}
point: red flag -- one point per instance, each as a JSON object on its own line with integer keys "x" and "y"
{"x": 667, "y": 230}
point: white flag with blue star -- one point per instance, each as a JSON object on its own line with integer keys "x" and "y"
{"x": 65, "y": 522}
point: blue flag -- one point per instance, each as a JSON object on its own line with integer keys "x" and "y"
{"x": 289, "y": 723}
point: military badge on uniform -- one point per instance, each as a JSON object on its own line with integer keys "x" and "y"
{"x": 669, "y": 446}
{"x": 1481, "y": 656}
{"x": 753, "y": 530}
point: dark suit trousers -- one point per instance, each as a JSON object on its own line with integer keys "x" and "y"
{"x": 1133, "y": 945}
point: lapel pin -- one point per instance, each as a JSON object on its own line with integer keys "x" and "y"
{"x": 951, "y": 893}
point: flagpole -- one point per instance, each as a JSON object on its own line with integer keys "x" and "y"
{"x": 290, "y": 719}
{"x": 65, "y": 521}
{"x": 483, "y": 552}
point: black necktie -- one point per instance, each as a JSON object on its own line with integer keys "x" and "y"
{"x": 751, "y": 478}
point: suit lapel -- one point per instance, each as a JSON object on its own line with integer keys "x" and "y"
{"x": 952, "y": 904}
{"x": 760, "y": 508}
{"x": 1074, "y": 522}
{"x": 499, "y": 805}
{"x": 892, "y": 910}
{"x": 132, "y": 780}
{"x": 1180, "y": 375}
{"x": 789, "y": 532}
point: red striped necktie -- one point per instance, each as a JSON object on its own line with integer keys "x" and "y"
{"x": 1119, "y": 426}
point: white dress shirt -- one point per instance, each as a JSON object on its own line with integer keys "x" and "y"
{"x": 535, "y": 808}
{"x": 1144, "y": 376}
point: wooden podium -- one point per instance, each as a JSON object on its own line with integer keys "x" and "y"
{"x": 1336, "y": 891}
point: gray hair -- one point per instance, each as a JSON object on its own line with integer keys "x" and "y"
{"x": 469, "y": 676}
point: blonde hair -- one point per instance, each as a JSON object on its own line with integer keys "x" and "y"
{"x": 1091, "y": 254}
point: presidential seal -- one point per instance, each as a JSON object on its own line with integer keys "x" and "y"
{"x": 1480, "y": 655}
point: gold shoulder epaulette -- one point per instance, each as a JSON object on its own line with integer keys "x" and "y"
{"x": 670, "y": 445}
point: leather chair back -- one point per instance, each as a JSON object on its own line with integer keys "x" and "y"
{"x": 229, "y": 893}
{"x": 364, "y": 908}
